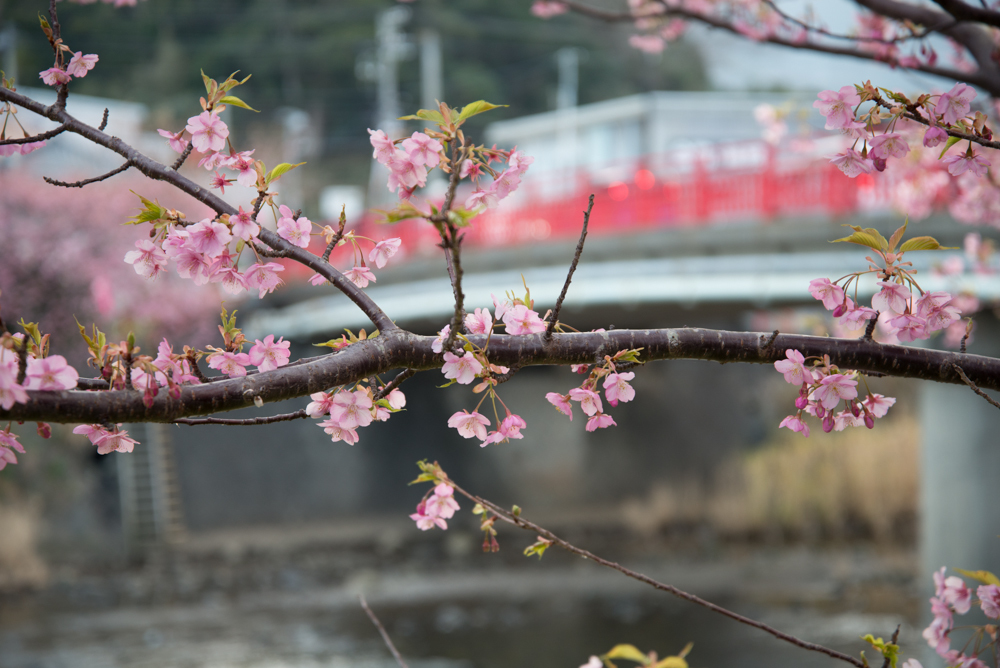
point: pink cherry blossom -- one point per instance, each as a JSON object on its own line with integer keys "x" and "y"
{"x": 80, "y": 64}
{"x": 320, "y": 405}
{"x": 852, "y": 163}
{"x": 360, "y": 276}
{"x": 846, "y": 419}
{"x": 244, "y": 226}
{"x": 520, "y": 320}
{"x": 480, "y": 322}
{"x": 9, "y": 440}
{"x": 794, "y": 368}
{"x": 469, "y": 424}
{"x": 510, "y": 427}
{"x": 208, "y": 132}
{"x": 889, "y": 145}
{"x": 909, "y": 327}
{"x": 442, "y": 502}
{"x": 25, "y": 149}
{"x": 422, "y": 150}
{"x": 10, "y": 392}
{"x": 590, "y": 401}
{"x": 833, "y": 388}
{"x": 506, "y": 182}
{"x": 936, "y": 635}
{"x": 115, "y": 441}
{"x": 858, "y": 316}
{"x": 212, "y": 161}
{"x": 600, "y": 421}
{"x": 478, "y": 198}
{"x": 438, "y": 344}
{"x": 892, "y": 298}
{"x": 396, "y": 399}
{"x": 955, "y": 104}
{"x": 194, "y": 265}
{"x": 989, "y": 598}
{"x": 175, "y": 139}
{"x": 385, "y": 150}
{"x": 462, "y": 369}
{"x": 878, "y": 404}
{"x": 953, "y": 591}
{"x": 796, "y": 424}
{"x": 546, "y": 9}
{"x": 220, "y": 181}
{"x": 561, "y": 402}
{"x": 295, "y": 231}
{"x": 208, "y": 238}
{"x": 830, "y": 294}
{"x": 427, "y": 521}
{"x": 6, "y": 457}
{"x": 404, "y": 174}
{"x": 50, "y": 373}
{"x": 934, "y": 137}
{"x": 269, "y": 354}
{"x": 384, "y": 250}
{"x": 232, "y": 364}
{"x": 352, "y": 409}
{"x": 470, "y": 169}
{"x": 616, "y": 387}
{"x": 54, "y": 76}
{"x": 959, "y": 163}
{"x": 244, "y": 164}
{"x": 149, "y": 260}
{"x": 838, "y": 107}
{"x": 263, "y": 277}
{"x": 338, "y": 432}
{"x": 518, "y": 162}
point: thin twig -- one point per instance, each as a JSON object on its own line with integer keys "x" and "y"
{"x": 394, "y": 383}
{"x": 520, "y": 522}
{"x": 284, "y": 417}
{"x": 888, "y": 656}
{"x": 336, "y": 237}
{"x": 973, "y": 386}
{"x": 572, "y": 268}
{"x": 80, "y": 184}
{"x": 870, "y": 327}
{"x": 183, "y": 156}
{"x": 503, "y": 378}
{"x": 104, "y": 121}
{"x": 383, "y": 632}
{"x": 770, "y": 340}
{"x": 39, "y": 137}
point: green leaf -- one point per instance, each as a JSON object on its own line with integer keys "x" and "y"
{"x": 671, "y": 662}
{"x": 280, "y": 170}
{"x": 951, "y": 142}
{"x": 236, "y": 102}
{"x": 922, "y": 243}
{"x": 629, "y": 652}
{"x": 897, "y": 235}
{"x": 867, "y": 237}
{"x": 151, "y": 211}
{"x": 886, "y": 649}
{"x": 423, "y": 477}
{"x": 981, "y": 576}
{"x": 477, "y": 107}
{"x": 537, "y": 548}
{"x": 425, "y": 115}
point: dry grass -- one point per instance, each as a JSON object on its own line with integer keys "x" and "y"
{"x": 855, "y": 482}
{"x": 20, "y": 564}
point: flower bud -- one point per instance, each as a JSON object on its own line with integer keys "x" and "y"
{"x": 44, "y": 430}
{"x": 820, "y": 411}
{"x": 801, "y": 402}
{"x": 828, "y": 423}
{"x": 879, "y": 163}
{"x": 840, "y": 310}
{"x": 855, "y": 409}
{"x": 869, "y": 421}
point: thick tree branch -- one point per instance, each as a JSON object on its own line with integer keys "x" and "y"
{"x": 399, "y": 349}
{"x": 966, "y": 12}
{"x": 155, "y": 170}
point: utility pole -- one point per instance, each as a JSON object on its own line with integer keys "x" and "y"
{"x": 568, "y": 60}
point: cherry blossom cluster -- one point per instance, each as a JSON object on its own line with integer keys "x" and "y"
{"x": 952, "y": 596}
{"x": 822, "y": 386}
{"x": 107, "y": 440}
{"x": 437, "y": 506}
{"x": 63, "y": 72}
{"x": 410, "y": 159}
{"x": 882, "y": 130}
{"x": 352, "y": 408}
{"x": 616, "y": 389}
{"x": 360, "y": 274}
{"x": 905, "y": 311}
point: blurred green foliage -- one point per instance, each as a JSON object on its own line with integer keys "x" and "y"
{"x": 304, "y": 54}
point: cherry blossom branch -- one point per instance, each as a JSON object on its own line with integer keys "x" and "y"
{"x": 853, "y": 38}
{"x": 39, "y": 137}
{"x": 247, "y": 422}
{"x": 159, "y": 172}
{"x": 80, "y": 184}
{"x": 452, "y": 244}
{"x": 965, "y": 12}
{"x": 396, "y": 349}
{"x": 572, "y": 268}
{"x": 336, "y": 239}
{"x": 910, "y": 115}
{"x": 383, "y": 632}
{"x": 974, "y": 387}
{"x": 182, "y": 157}
{"x": 394, "y": 383}
{"x": 990, "y": 82}
{"x": 519, "y": 521}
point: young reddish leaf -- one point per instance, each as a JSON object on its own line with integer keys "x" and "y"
{"x": 897, "y": 235}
